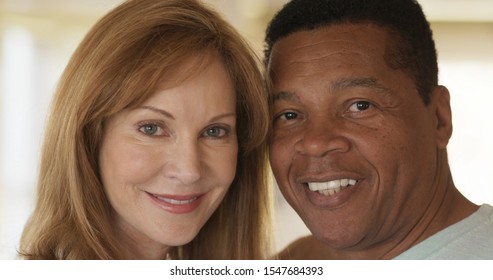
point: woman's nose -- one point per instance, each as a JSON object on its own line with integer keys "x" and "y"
{"x": 184, "y": 162}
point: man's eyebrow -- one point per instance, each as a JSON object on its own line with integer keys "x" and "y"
{"x": 364, "y": 82}
{"x": 285, "y": 96}
{"x": 338, "y": 85}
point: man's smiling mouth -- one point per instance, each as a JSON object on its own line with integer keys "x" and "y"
{"x": 331, "y": 187}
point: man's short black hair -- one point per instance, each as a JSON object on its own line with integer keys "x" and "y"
{"x": 414, "y": 49}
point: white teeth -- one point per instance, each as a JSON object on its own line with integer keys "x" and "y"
{"x": 176, "y": 202}
{"x": 331, "y": 187}
{"x": 334, "y": 184}
{"x": 344, "y": 182}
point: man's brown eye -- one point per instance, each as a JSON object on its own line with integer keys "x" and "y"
{"x": 289, "y": 116}
{"x": 359, "y": 106}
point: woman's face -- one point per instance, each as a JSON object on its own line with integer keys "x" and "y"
{"x": 167, "y": 164}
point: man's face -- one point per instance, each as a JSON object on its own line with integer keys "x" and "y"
{"x": 353, "y": 147}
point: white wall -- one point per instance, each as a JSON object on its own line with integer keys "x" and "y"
{"x": 466, "y": 68}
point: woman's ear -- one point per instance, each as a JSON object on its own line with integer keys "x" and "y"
{"x": 440, "y": 100}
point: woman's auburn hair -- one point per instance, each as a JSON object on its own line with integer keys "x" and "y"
{"x": 117, "y": 66}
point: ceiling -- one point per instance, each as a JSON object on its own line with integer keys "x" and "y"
{"x": 82, "y": 7}
{"x": 436, "y": 10}
{"x": 458, "y": 10}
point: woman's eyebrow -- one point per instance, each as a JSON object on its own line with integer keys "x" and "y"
{"x": 157, "y": 110}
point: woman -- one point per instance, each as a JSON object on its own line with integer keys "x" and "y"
{"x": 155, "y": 145}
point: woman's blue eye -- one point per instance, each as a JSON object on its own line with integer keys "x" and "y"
{"x": 360, "y": 106}
{"x": 215, "y": 132}
{"x": 149, "y": 129}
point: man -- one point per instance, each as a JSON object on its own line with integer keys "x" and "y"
{"x": 360, "y": 129}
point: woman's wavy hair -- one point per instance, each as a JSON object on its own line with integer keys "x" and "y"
{"x": 119, "y": 65}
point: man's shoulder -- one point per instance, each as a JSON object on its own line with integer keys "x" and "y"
{"x": 304, "y": 248}
{"x": 470, "y": 238}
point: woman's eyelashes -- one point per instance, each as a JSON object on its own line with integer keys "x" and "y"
{"x": 153, "y": 129}
{"x": 217, "y": 131}
{"x": 158, "y": 129}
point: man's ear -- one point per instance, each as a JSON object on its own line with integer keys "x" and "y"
{"x": 440, "y": 104}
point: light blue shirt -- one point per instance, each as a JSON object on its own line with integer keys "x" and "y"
{"x": 469, "y": 239}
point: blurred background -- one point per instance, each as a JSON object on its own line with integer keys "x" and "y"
{"x": 37, "y": 38}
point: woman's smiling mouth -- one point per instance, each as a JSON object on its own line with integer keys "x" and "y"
{"x": 177, "y": 204}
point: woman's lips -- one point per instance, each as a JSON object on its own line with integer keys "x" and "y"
{"x": 176, "y": 204}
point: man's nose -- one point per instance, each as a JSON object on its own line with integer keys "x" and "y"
{"x": 321, "y": 137}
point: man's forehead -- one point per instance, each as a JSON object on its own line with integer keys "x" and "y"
{"x": 336, "y": 86}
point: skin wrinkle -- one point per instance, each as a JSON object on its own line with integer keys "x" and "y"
{"x": 365, "y": 82}
{"x": 343, "y": 84}
{"x": 286, "y": 96}
{"x": 433, "y": 207}
{"x": 349, "y": 31}
{"x": 162, "y": 112}
{"x": 395, "y": 56}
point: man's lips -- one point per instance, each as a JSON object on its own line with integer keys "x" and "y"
{"x": 331, "y": 187}
{"x": 331, "y": 193}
